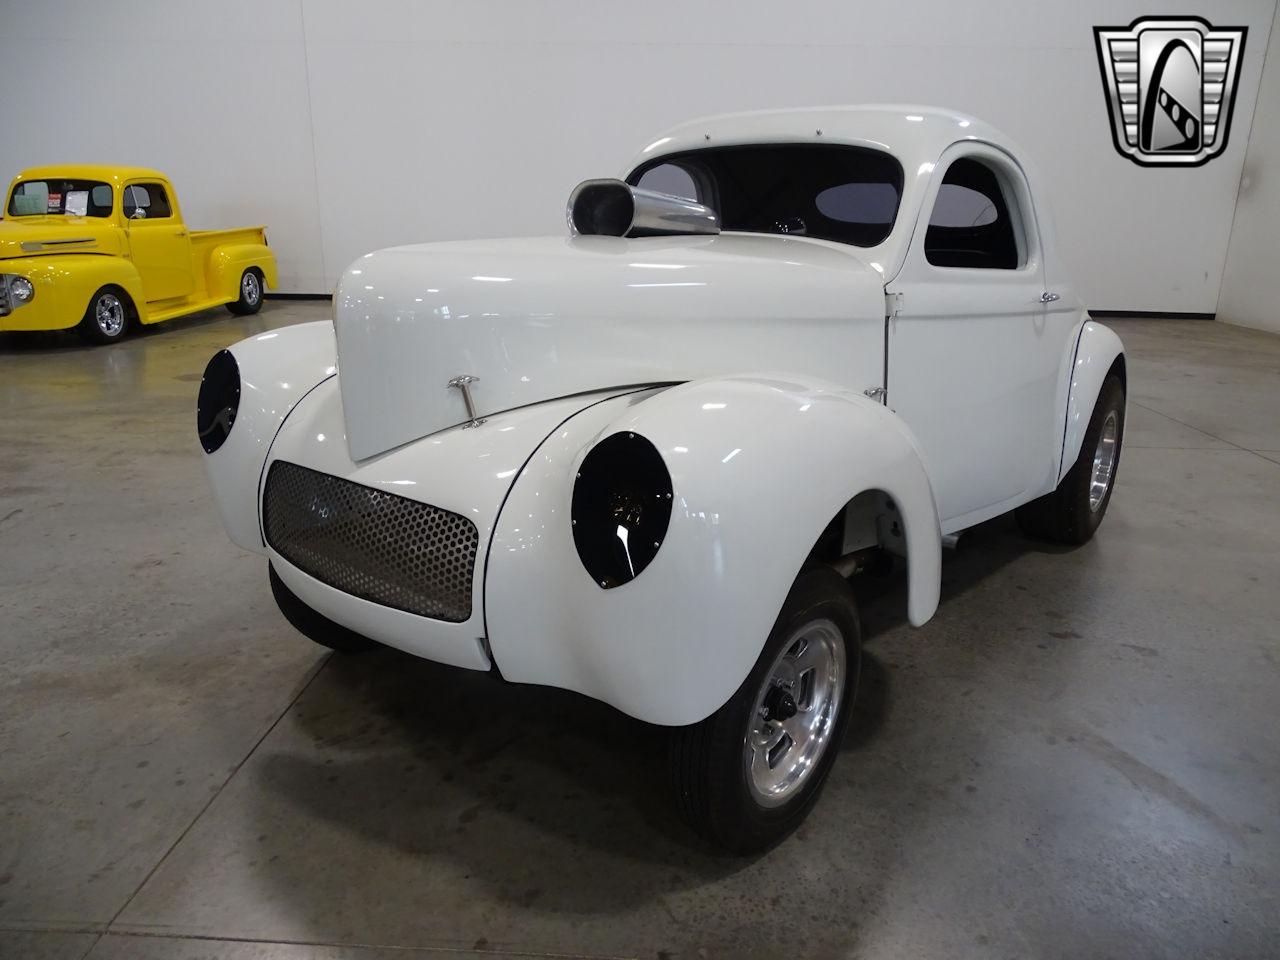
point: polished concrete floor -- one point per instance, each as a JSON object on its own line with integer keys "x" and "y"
{"x": 1078, "y": 757}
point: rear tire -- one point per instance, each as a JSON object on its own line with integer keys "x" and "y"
{"x": 747, "y": 775}
{"x": 106, "y": 319}
{"x": 251, "y": 287}
{"x": 1073, "y": 512}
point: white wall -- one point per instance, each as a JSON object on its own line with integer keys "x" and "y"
{"x": 350, "y": 126}
{"x": 1251, "y": 280}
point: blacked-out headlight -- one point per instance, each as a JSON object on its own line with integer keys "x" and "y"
{"x": 218, "y": 401}
{"x": 621, "y": 508}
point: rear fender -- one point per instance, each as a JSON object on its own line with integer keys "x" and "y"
{"x": 228, "y": 261}
{"x": 759, "y": 466}
{"x": 1096, "y": 353}
{"x": 277, "y": 369}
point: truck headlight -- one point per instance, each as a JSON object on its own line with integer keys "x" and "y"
{"x": 218, "y": 401}
{"x": 21, "y": 290}
{"x": 621, "y": 508}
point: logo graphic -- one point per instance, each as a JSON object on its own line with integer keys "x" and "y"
{"x": 1171, "y": 86}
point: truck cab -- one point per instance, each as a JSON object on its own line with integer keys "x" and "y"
{"x": 101, "y": 248}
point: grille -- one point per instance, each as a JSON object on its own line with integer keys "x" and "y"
{"x": 374, "y": 545}
{"x": 4, "y": 298}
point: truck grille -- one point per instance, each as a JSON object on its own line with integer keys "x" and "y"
{"x": 374, "y": 545}
{"x": 5, "y": 306}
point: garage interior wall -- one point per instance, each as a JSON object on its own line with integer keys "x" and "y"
{"x": 1251, "y": 280}
{"x": 346, "y": 127}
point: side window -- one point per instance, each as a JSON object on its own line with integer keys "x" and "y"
{"x": 971, "y": 224}
{"x": 670, "y": 178}
{"x": 146, "y": 201}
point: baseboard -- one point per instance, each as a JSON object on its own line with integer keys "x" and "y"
{"x": 1150, "y": 315}
{"x": 298, "y": 296}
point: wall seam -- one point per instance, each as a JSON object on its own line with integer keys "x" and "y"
{"x": 311, "y": 125}
{"x": 1244, "y": 161}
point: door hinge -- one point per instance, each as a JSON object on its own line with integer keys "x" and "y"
{"x": 876, "y": 393}
{"x": 892, "y": 304}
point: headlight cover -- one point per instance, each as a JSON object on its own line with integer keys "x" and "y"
{"x": 218, "y": 401}
{"x": 21, "y": 290}
{"x": 621, "y": 508}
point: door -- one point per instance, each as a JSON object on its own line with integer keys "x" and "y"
{"x": 974, "y": 358}
{"x": 158, "y": 242}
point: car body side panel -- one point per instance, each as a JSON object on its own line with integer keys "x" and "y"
{"x": 1096, "y": 352}
{"x": 277, "y": 369}
{"x": 759, "y": 465}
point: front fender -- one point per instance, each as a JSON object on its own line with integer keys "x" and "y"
{"x": 1096, "y": 352}
{"x": 64, "y": 286}
{"x": 277, "y": 369}
{"x": 759, "y": 466}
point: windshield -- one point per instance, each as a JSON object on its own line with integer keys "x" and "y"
{"x": 71, "y": 198}
{"x": 833, "y": 192}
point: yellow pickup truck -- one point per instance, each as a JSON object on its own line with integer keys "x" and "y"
{"x": 101, "y": 248}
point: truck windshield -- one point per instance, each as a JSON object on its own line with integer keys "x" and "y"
{"x": 830, "y": 191}
{"x": 70, "y": 198}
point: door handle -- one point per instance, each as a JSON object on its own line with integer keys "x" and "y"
{"x": 183, "y": 233}
{"x": 1048, "y": 297}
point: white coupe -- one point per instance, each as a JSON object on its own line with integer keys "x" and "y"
{"x": 643, "y": 460}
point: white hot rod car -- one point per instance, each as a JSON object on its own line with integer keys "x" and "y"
{"x": 643, "y": 460}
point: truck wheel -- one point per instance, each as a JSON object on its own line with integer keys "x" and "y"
{"x": 748, "y": 774}
{"x": 250, "y": 294}
{"x": 1073, "y": 512}
{"x": 107, "y": 318}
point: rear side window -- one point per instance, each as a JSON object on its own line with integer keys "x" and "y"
{"x": 829, "y": 191}
{"x": 146, "y": 201}
{"x": 971, "y": 224}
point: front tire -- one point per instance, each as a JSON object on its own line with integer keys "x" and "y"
{"x": 1074, "y": 511}
{"x": 250, "y": 301}
{"x": 106, "y": 320}
{"x": 747, "y": 775}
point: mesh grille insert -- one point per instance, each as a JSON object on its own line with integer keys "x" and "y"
{"x": 374, "y": 545}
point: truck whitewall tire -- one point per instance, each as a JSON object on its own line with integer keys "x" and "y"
{"x": 747, "y": 775}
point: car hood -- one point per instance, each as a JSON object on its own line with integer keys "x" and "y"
{"x": 36, "y": 236}
{"x": 541, "y": 318}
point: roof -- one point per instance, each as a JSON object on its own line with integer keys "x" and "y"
{"x": 912, "y": 133}
{"x": 91, "y": 171}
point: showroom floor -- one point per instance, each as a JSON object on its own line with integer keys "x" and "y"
{"x": 1078, "y": 757}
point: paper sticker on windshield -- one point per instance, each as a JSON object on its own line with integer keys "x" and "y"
{"x": 54, "y": 204}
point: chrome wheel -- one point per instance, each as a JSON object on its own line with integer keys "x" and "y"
{"x": 1104, "y": 460}
{"x": 108, "y": 313}
{"x": 795, "y": 713}
{"x": 250, "y": 288}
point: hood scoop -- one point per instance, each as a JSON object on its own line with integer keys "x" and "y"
{"x": 612, "y": 208}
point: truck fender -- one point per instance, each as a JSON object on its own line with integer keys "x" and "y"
{"x": 229, "y": 260}
{"x": 1097, "y": 351}
{"x": 74, "y": 279}
{"x": 276, "y": 370}
{"x": 759, "y": 465}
